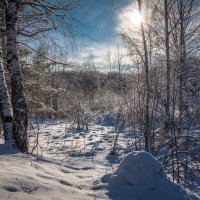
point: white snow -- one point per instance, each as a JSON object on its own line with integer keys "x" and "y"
{"x": 22, "y": 178}
{"x": 68, "y": 170}
{"x": 140, "y": 176}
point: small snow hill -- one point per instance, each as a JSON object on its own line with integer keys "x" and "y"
{"x": 140, "y": 177}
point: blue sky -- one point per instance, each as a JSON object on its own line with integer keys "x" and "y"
{"x": 97, "y": 19}
{"x": 97, "y": 25}
{"x": 96, "y": 28}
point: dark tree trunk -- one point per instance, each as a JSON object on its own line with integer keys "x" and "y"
{"x": 167, "y": 107}
{"x": 182, "y": 74}
{"x": 147, "y": 88}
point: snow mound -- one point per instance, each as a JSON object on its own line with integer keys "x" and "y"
{"x": 139, "y": 167}
{"x": 140, "y": 177}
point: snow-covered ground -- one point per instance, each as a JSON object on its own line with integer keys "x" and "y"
{"x": 77, "y": 165}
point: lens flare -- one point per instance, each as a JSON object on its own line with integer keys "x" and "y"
{"x": 136, "y": 18}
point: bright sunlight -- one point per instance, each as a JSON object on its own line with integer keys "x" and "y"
{"x": 136, "y": 18}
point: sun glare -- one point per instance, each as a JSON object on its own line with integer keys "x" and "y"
{"x": 136, "y": 18}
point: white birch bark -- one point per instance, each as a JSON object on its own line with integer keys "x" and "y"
{"x": 5, "y": 108}
{"x": 18, "y": 97}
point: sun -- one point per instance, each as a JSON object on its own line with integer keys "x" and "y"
{"x": 136, "y": 18}
{"x": 130, "y": 19}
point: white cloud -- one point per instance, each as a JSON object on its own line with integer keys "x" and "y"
{"x": 99, "y": 54}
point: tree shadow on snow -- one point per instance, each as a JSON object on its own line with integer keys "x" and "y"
{"x": 113, "y": 159}
{"x": 6, "y": 149}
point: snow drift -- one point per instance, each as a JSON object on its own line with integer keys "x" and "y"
{"x": 140, "y": 177}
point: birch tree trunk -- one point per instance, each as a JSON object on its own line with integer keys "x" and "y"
{"x": 147, "y": 87}
{"x": 18, "y": 98}
{"x": 5, "y": 108}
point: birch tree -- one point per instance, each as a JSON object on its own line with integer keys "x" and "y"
{"x": 18, "y": 97}
{"x": 38, "y": 17}
{"x": 5, "y": 104}
{"x": 5, "y": 108}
